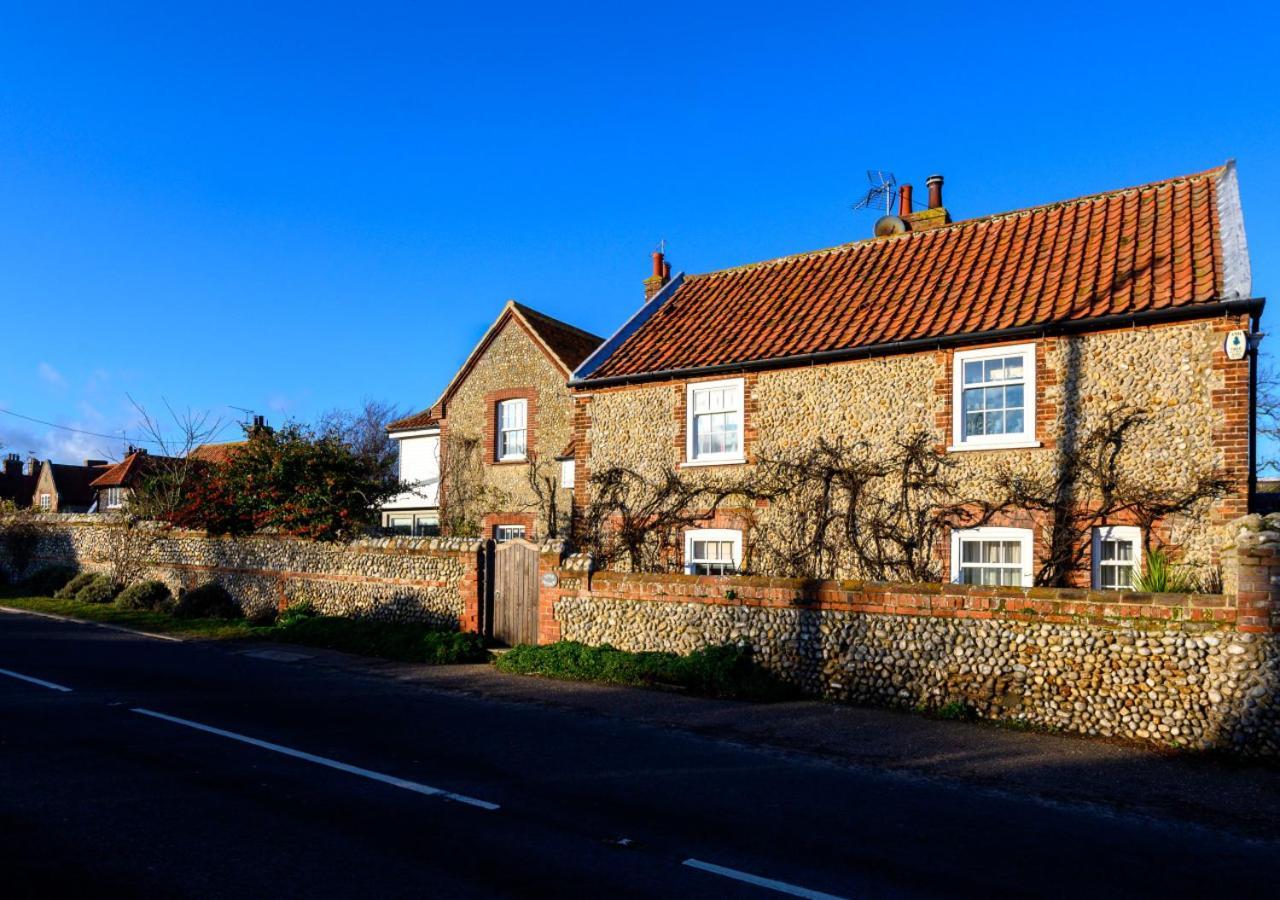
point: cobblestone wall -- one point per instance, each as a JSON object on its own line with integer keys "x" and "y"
{"x": 1198, "y": 671}
{"x": 405, "y": 579}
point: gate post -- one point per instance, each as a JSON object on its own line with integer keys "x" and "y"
{"x": 549, "y": 556}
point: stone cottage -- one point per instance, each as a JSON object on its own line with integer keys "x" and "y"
{"x": 487, "y": 457}
{"x": 1005, "y": 339}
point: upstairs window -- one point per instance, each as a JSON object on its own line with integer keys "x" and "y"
{"x": 46, "y": 502}
{"x": 994, "y": 397}
{"x": 712, "y": 551}
{"x": 714, "y": 424}
{"x": 504, "y": 533}
{"x": 991, "y": 556}
{"x": 115, "y": 497}
{"x": 513, "y": 425}
{"x": 1117, "y": 557}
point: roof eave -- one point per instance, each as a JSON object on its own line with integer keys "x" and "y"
{"x": 1251, "y": 305}
{"x": 602, "y": 353}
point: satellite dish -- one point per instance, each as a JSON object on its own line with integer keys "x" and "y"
{"x": 889, "y": 225}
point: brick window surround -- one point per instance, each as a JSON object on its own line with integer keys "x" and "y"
{"x": 491, "y": 401}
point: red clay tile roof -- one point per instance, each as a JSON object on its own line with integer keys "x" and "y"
{"x": 216, "y": 453}
{"x": 126, "y": 472}
{"x": 423, "y": 419}
{"x": 1145, "y": 248}
{"x": 566, "y": 343}
{"x": 571, "y": 344}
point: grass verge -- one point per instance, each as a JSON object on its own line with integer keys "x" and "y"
{"x": 403, "y": 642}
{"x": 727, "y": 672}
{"x": 142, "y": 620}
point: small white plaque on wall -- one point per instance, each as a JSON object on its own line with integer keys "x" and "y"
{"x": 1236, "y": 345}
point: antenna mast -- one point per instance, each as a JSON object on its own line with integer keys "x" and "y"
{"x": 883, "y": 186}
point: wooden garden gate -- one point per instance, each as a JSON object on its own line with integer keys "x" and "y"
{"x": 513, "y": 592}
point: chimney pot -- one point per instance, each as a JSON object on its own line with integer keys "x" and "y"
{"x": 904, "y": 201}
{"x": 658, "y": 263}
{"x": 934, "y": 183}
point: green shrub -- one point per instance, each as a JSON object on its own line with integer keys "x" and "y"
{"x": 296, "y": 612}
{"x": 208, "y": 601}
{"x": 73, "y": 587}
{"x": 263, "y": 617}
{"x": 407, "y": 642}
{"x": 49, "y": 581}
{"x": 725, "y": 671}
{"x": 100, "y": 590}
{"x": 1162, "y": 575}
{"x": 152, "y": 595}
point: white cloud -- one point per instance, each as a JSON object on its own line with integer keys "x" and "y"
{"x": 51, "y": 376}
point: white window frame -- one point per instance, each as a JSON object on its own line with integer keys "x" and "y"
{"x": 1027, "y": 438}
{"x": 988, "y": 533}
{"x": 407, "y": 518}
{"x": 114, "y": 498}
{"x": 691, "y": 455}
{"x": 500, "y": 408}
{"x": 510, "y": 532}
{"x": 46, "y": 502}
{"x": 568, "y": 468}
{"x": 732, "y": 535}
{"x": 1131, "y": 533}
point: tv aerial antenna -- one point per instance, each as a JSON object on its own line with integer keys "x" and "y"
{"x": 883, "y": 188}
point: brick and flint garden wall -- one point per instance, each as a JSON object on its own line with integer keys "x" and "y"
{"x": 434, "y": 580}
{"x": 1194, "y": 670}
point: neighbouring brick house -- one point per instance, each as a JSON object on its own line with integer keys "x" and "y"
{"x": 62, "y": 488}
{"x": 18, "y": 483}
{"x": 1003, "y": 338}
{"x": 508, "y": 408}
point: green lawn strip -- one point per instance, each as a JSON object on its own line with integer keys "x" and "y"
{"x": 141, "y": 620}
{"x": 404, "y": 642}
{"x": 726, "y": 672}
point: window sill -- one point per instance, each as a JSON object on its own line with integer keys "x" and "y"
{"x": 701, "y": 463}
{"x": 513, "y": 461}
{"x": 1003, "y": 445}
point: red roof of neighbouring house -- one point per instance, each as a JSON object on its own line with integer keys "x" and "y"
{"x": 126, "y": 472}
{"x": 1169, "y": 244}
{"x": 216, "y": 453}
{"x": 567, "y": 345}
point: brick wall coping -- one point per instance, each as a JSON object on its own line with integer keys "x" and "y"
{"x": 1069, "y": 605}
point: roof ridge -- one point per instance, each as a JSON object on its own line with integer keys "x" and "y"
{"x": 526, "y": 310}
{"x": 963, "y": 223}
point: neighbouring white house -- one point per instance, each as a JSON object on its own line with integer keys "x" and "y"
{"x": 416, "y": 510}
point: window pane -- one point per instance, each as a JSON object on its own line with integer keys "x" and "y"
{"x": 994, "y": 370}
{"x": 1013, "y": 552}
{"x": 699, "y": 549}
{"x": 1012, "y": 577}
{"x": 972, "y": 399}
{"x": 1013, "y": 396}
{"x": 1108, "y": 550}
{"x": 1012, "y": 367}
{"x": 994, "y": 423}
{"x": 973, "y": 372}
{"x": 970, "y": 551}
{"x": 973, "y": 423}
{"x": 994, "y": 398}
{"x": 1123, "y": 550}
{"x": 1013, "y": 422}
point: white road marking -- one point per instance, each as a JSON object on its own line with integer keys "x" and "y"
{"x": 780, "y": 886}
{"x": 322, "y": 761}
{"x": 48, "y": 684}
{"x": 13, "y": 610}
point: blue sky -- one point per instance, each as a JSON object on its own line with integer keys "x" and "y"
{"x": 295, "y": 208}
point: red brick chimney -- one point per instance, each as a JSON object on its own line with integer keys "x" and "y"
{"x": 661, "y": 275}
{"x": 935, "y": 216}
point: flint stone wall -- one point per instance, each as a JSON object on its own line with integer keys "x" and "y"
{"x": 433, "y": 580}
{"x": 1199, "y": 671}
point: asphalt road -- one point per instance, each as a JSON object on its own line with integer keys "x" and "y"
{"x": 146, "y": 767}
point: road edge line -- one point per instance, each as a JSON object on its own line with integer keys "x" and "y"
{"x": 781, "y": 887}
{"x": 403, "y": 783}
{"x": 57, "y": 617}
{"x": 40, "y": 681}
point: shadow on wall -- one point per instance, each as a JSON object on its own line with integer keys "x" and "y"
{"x": 26, "y": 549}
